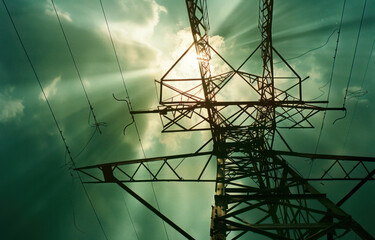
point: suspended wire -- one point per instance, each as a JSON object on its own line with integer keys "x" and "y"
{"x": 84, "y": 147}
{"x": 72, "y": 202}
{"x": 152, "y": 184}
{"x": 127, "y": 104}
{"x": 332, "y": 72}
{"x": 353, "y": 61}
{"x": 368, "y": 63}
{"x": 355, "y": 53}
{"x": 311, "y": 50}
{"x": 92, "y": 204}
{"x": 52, "y": 113}
{"x": 321, "y": 87}
{"x": 340, "y": 118}
{"x": 357, "y": 94}
{"x": 348, "y": 84}
{"x": 130, "y": 216}
{"x": 330, "y": 82}
{"x": 74, "y": 218}
{"x": 314, "y": 49}
{"x": 361, "y": 88}
{"x": 130, "y": 106}
{"x": 36, "y": 76}
{"x": 97, "y": 124}
{"x": 88, "y": 142}
{"x": 114, "y": 50}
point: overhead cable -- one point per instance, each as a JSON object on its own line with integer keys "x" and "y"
{"x": 355, "y": 53}
{"x": 97, "y": 124}
{"x": 331, "y": 76}
{"x": 51, "y": 110}
{"x": 130, "y": 105}
{"x": 352, "y": 65}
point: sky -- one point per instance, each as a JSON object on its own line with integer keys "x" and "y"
{"x": 42, "y": 198}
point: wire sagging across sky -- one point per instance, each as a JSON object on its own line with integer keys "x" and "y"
{"x": 52, "y": 113}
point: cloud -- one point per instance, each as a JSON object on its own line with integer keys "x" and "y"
{"x": 141, "y": 12}
{"x": 62, "y": 15}
{"x": 188, "y": 66}
{"x": 51, "y": 89}
{"x": 139, "y": 22}
{"x": 10, "y": 108}
{"x": 356, "y": 92}
{"x": 132, "y": 25}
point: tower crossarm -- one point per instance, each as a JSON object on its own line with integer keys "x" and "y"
{"x": 234, "y": 115}
{"x": 167, "y": 169}
{"x": 163, "y": 169}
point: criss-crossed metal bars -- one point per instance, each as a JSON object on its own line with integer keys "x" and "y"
{"x": 248, "y": 204}
{"x": 256, "y": 192}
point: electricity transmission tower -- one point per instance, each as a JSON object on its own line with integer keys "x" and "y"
{"x": 257, "y": 191}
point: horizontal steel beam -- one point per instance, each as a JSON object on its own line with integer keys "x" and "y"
{"x": 322, "y": 156}
{"x": 196, "y": 105}
{"x": 144, "y": 160}
{"x": 157, "y": 180}
{"x": 235, "y": 198}
{"x": 276, "y": 226}
{"x": 336, "y": 179}
{"x": 214, "y": 180}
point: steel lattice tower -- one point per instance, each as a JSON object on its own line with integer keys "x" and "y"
{"x": 256, "y": 189}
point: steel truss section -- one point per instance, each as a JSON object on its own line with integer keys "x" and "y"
{"x": 256, "y": 189}
{"x": 293, "y": 199}
{"x": 167, "y": 169}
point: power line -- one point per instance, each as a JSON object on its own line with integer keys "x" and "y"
{"x": 52, "y": 113}
{"x": 311, "y": 50}
{"x": 362, "y": 82}
{"x": 72, "y": 202}
{"x": 130, "y": 104}
{"x": 368, "y": 63}
{"x": 97, "y": 125}
{"x": 130, "y": 216}
{"x": 352, "y": 65}
{"x": 356, "y": 104}
{"x": 92, "y": 206}
{"x": 114, "y": 50}
{"x": 355, "y": 52}
{"x": 330, "y": 85}
{"x": 350, "y": 75}
{"x": 36, "y": 76}
{"x": 331, "y": 76}
{"x": 88, "y": 142}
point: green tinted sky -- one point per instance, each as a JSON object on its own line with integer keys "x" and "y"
{"x": 39, "y": 197}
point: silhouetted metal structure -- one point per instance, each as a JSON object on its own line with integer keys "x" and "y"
{"x": 256, "y": 189}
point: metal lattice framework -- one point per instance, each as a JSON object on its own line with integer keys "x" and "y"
{"x": 256, "y": 189}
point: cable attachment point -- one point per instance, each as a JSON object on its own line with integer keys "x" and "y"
{"x": 96, "y": 124}
{"x": 340, "y": 117}
{"x": 129, "y": 108}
